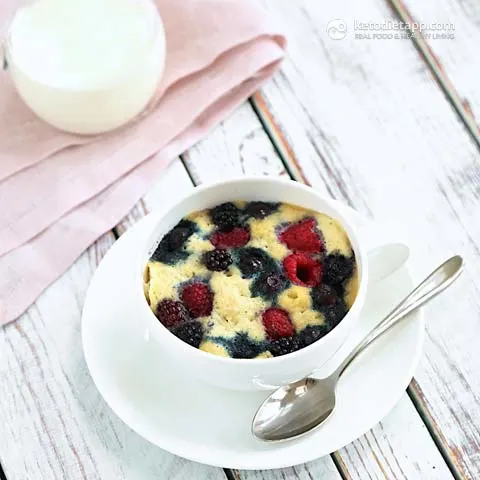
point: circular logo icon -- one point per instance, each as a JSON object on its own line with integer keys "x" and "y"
{"x": 336, "y": 29}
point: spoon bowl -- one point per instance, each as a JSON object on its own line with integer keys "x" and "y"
{"x": 300, "y": 407}
{"x": 303, "y": 397}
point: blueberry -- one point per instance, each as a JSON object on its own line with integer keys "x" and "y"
{"x": 170, "y": 249}
{"x": 242, "y": 347}
{"x": 260, "y": 209}
{"x": 268, "y": 285}
{"x": 252, "y": 260}
{"x": 275, "y": 281}
{"x": 268, "y": 278}
{"x": 326, "y": 300}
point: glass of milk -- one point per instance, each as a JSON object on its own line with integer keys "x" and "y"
{"x": 86, "y": 66}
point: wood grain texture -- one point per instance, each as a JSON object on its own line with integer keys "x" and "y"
{"x": 237, "y": 147}
{"x": 55, "y": 425}
{"x": 387, "y": 448}
{"x": 358, "y": 121}
{"x": 365, "y": 122}
{"x": 172, "y": 183}
{"x": 307, "y": 471}
{"x": 392, "y": 448}
{"x": 454, "y": 61}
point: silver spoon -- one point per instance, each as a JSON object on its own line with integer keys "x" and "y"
{"x": 299, "y": 407}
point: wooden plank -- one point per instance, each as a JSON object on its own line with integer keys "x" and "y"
{"x": 365, "y": 121}
{"x": 453, "y": 61}
{"x": 172, "y": 182}
{"x": 387, "y": 448}
{"x": 54, "y": 423}
{"x": 237, "y": 147}
{"x": 372, "y": 453}
{"x": 393, "y": 448}
{"x": 307, "y": 471}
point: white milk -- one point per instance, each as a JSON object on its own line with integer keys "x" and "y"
{"x": 87, "y": 66}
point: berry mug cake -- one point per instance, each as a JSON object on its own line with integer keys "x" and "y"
{"x": 252, "y": 279}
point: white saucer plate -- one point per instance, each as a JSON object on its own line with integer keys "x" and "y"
{"x": 210, "y": 425}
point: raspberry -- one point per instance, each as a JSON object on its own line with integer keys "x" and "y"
{"x": 170, "y": 249}
{"x": 323, "y": 295}
{"x": 284, "y": 345}
{"x": 198, "y": 298}
{"x": 337, "y": 268}
{"x": 190, "y": 332}
{"x": 277, "y": 323}
{"x": 217, "y": 260}
{"x": 171, "y": 312}
{"x": 268, "y": 285}
{"x": 237, "y": 237}
{"x": 226, "y": 216}
{"x": 243, "y": 347}
{"x": 260, "y": 209}
{"x": 302, "y": 237}
{"x": 252, "y": 260}
{"x": 302, "y": 270}
{"x": 311, "y": 334}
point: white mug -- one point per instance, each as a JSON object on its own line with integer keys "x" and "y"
{"x": 265, "y": 373}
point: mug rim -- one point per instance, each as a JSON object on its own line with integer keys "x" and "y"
{"x": 347, "y": 224}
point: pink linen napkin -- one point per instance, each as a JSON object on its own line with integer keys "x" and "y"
{"x": 60, "y": 192}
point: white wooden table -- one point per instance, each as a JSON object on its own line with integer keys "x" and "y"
{"x": 387, "y": 126}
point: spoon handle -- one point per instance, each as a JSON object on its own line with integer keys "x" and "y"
{"x": 435, "y": 283}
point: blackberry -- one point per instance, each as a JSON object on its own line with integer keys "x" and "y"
{"x": 326, "y": 300}
{"x": 225, "y": 216}
{"x": 337, "y": 268}
{"x": 268, "y": 285}
{"x": 260, "y": 209}
{"x": 171, "y": 312}
{"x": 242, "y": 347}
{"x": 217, "y": 260}
{"x": 335, "y": 313}
{"x": 190, "y": 332}
{"x": 252, "y": 260}
{"x": 170, "y": 249}
{"x": 283, "y": 346}
{"x": 323, "y": 295}
{"x": 311, "y": 334}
